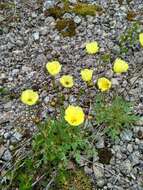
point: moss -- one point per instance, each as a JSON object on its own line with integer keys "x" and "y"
{"x": 131, "y": 16}
{"x": 84, "y": 9}
{"x": 106, "y": 57}
{"x": 6, "y": 5}
{"x": 66, "y": 27}
{"x": 75, "y": 180}
{"x": 56, "y": 11}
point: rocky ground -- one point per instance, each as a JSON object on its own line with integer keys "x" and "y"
{"x": 28, "y": 42}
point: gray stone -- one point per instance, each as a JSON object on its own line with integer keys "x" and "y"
{"x": 17, "y": 136}
{"x": 100, "y": 182}
{"x": 77, "y": 19}
{"x": 44, "y": 31}
{"x": 36, "y": 36}
{"x": 7, "y": 135}
{"x": 2, "y": 149}
{"x": 135, "y": 158}
{"x": 126, "y": 167}
{"x": 15, "y": 72}
{"x": 49, "y": 4}
{"x": 141, "y": 147}
{"x": 34, "y": 15}
{"x": 7, "y": 156}
{"x": 100, "y": 143}
{"x": 98, "y": 170}
{"x": 67, "y": 16}
{"x": 73, "y": 1}
{"x": 115, "y": 82}
{"x": 46, "y": 99}
{"x": 130, "y": 148}
{"x": 88, "y": 170}
{"x": 126, "y": 135}
{"x": 8, "y": 105}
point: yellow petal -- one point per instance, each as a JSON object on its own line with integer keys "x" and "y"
{"x": 120, "y": 66}
{"x": 86, "y": 74}
{"x": 53, "y": 67}
{"x": 92, "y": 47}
{"x": 29, "y": 97}
{"x": 141, "y": 38}
{"x": 104, "y": 84}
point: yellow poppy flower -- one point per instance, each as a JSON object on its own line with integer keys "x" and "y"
{"x": 92, "y": 47}
{"x": 29, "y": 97}
{"x": 120, "y": 66}
{"x": 86, "y": 74}
{"x": 104, "y": 84}
{"x": 53, "y": 67}
{"x": 141, "y": 38}
{"x": 67, "y": 81}
{"x": 74, "y": 115}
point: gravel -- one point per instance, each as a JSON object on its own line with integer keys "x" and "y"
{"x": 25, "y": 48}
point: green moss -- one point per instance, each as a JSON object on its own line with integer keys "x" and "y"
{"x": 6, "y": 5}
{"x": 75, "y": 180}
{"x": 66, "y": 27}
{"x": 57, "y": 12}
{"x": 131, "y": 15}
{"x": 106, "y": 57}
{"x": 84, "y": 9}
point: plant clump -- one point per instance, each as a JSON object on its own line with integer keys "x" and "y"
{"x": 75, "y": 180}
{"x": 114, "y": 116}
{"x": 66, "y": 27}
{"x": 84, "y": 9}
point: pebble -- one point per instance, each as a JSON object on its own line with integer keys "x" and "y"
{"x": 126, "y": 135}
{"x": 77, "y": 19}
{"x": 126, "y": 167}
{"x": 7, "y": 155}
{"x": 98, "y": 170}
{"x": 88, "y": 170}
{"x": 36, "y": 36}
{"x": 130, "y": 148}
{"x": 2, "y": 149}
{"x": 100, "y": 143}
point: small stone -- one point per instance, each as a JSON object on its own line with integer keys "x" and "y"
{"x": 126, "y": 167}
{"x": 141, "y": 147}
{"x": 34, "y": 15}
{"x": 15, "y": 72}
{"x": 44, "y": 31}
{"x": 17, "y": 135}
{"x": 7, "y": 156}
{"x": 7, "y": 135}
{"x": 100, "y": 182}
{"x": 2, "y": 149}
{"x": 8, "y": 105}
{"x": 46, "y": 100}
{"x": 2, "y": 18}
{"x": 49, "y": 4}
{"x": 67, "y": 16}
{"x": 77, "y": 19}
{"x": 130, "y": 148}
{"x": 73, "y": 1}
{"x": 126, "y": 135}
{"x": 36, "y": 35}
{"x": 135, "y": 158}
{"x": 88, "y": 170}
{"x": 100, "y": 143}
{"x": 98, "y": 170}
{"x": 115, "y": 82}
{"x": 140, "y": 122}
